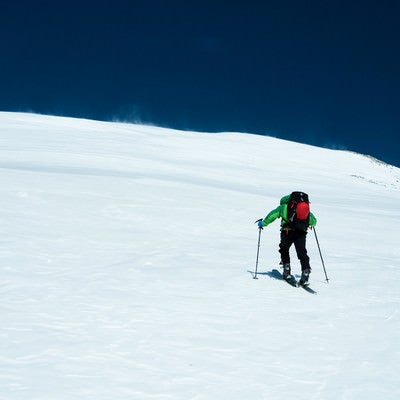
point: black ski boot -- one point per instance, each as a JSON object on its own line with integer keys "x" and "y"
{"x": 304, "y": 277}
{"x": 286, "y": 272}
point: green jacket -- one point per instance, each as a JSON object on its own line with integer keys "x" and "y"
{"x": 281, "y": 212}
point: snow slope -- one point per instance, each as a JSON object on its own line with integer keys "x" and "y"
{"x": 126, "y": 259}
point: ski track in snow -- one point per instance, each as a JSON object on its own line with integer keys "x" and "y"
{"x": 125, "y": 253}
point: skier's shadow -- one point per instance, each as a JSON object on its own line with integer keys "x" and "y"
{"x": 274, "y": 274}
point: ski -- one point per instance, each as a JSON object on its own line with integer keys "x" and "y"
{"x": 292, "y": 281}
{"x": 278, "y": 275}
{"x": 306, "y": 288}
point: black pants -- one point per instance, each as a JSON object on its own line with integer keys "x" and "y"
{"x": 298, "y": 238}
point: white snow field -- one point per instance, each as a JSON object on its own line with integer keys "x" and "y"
{"x": 127, "y": 255}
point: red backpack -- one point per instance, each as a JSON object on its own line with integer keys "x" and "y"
{"x": 298, "y": 211}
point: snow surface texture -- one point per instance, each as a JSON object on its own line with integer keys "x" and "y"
{"x": 127, "y": 253}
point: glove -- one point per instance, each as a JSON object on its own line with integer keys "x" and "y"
{"x": 259, "y": 223}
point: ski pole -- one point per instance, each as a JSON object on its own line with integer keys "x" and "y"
{"x": 258, "y": 250}
{"x": 320, "y": 254}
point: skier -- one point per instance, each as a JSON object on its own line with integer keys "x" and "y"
{"x": 296, "y": 218}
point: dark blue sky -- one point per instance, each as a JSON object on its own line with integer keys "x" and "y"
{"x": 319, "y": 72}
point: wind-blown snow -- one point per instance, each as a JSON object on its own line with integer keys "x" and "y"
{"x": 127, "y": 252}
